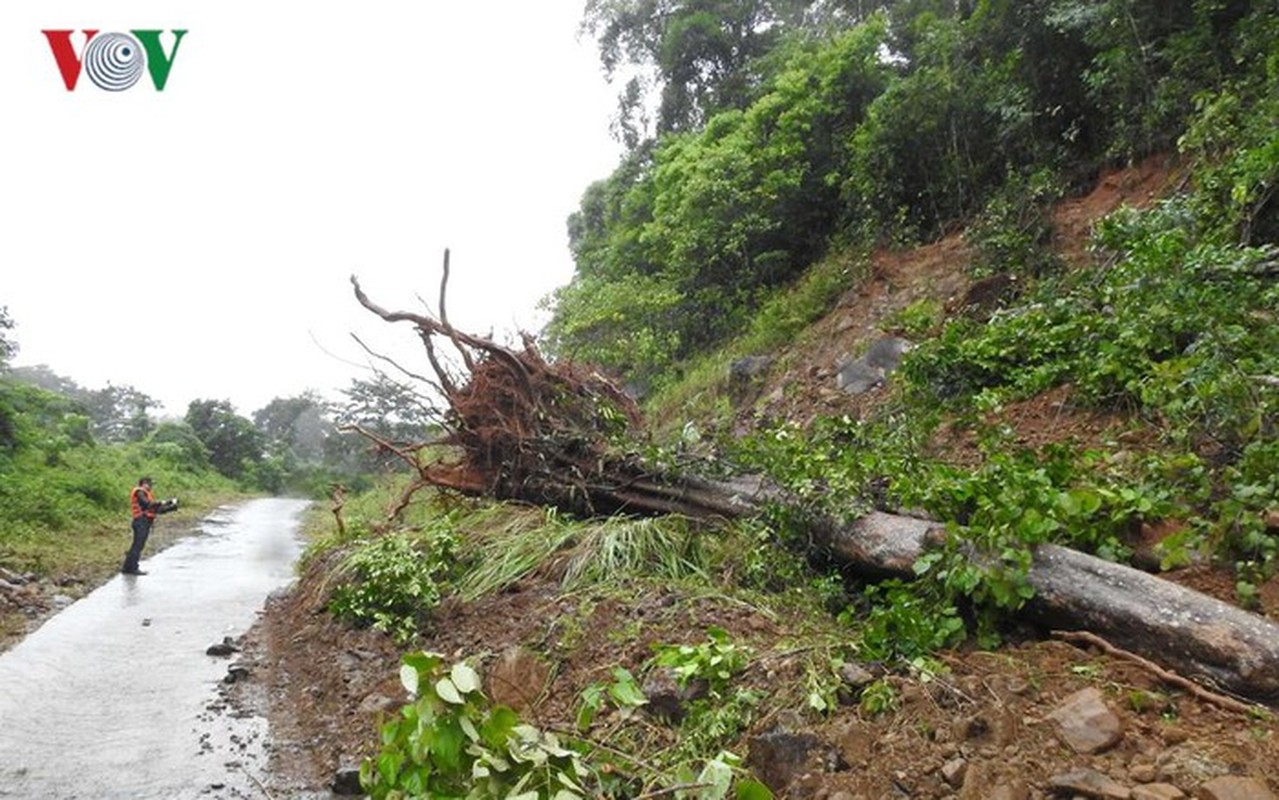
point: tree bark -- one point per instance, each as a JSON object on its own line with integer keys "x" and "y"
{"x": 1209, "y": 641}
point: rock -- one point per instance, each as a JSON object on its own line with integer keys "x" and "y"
{"x": 857, "y": 377}
{"x": 667, "y": 699}
{"x": 953, "y": 772}
{"x": 779, "y": 757}
{"x": 1090, "y": 783}
{"x": 855, "y": 676}
{"x": 516, "y": 679}
{"x": 987, "y": 295}
{"x": 236, "y": 672}
{"x": 749, "y": 367}
{"x": 225, "y": 647}
{"x": 747, "y": 373}
{"x": 1232, "y": 787}
{"x": 1143, "y": 773}
{"x": 346, "y": 782}
{"x": 1174, "y": 734}
{"x": 377, "y": 702}
{"x": 1017, "y": 790}
{"x": 1157, "y": 791}
{"x": 860, "y": 375}
{"x": 1086, "y": 723}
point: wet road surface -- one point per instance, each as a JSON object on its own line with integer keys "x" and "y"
{"x": 115, "y": 697}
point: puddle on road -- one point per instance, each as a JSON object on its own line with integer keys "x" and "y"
{"x": 115, "y": 697}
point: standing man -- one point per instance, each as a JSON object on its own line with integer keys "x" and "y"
{"x": 144, "y": 507}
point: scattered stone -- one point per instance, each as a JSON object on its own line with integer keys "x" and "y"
{"x": 236, "y": 672}
{"x": 1232, "y": 787}
{"x": 1143, "y": 773}
{"x": 1017, "y": 790}
{"x": 376, "y": 702}
{"x": 855, "y": 676}
{"x": 746, "y": 373}
{"x": 1086, "y": 723}
{"x": 1157, "y": 791}
{"x": 346, "y": 782}
{"x": 1090, "y": 783}
{"x": 667, "y": 699}
{"x": 860, "y": 375}
{"x": 953, "y": 772}
{"x": 225, "y": 647}
{"x": 779, "y": 757}
{"x": 1175, "y": 734}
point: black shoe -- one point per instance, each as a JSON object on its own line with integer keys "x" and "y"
{"x": 133, "y": 572}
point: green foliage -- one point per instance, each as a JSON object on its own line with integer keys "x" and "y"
{"x": 8, "y": 345}
{"x": 888, "y": 128}
{"x": 176, "y": 443}
{"x": 622, "y": 693}
{"x": 393, "y": 581}
{"x": 879, "y": 698}
{"x": 450, "y": 742}
{"x": 907, "y": 621}
{"x": 715, "y": 661}
{"x": 505, "y": 544}
{"x": 917, "y": 320}
{"x": 60, "y": 490}
{"x": 234, "y": 445}
{"x": 1013, "y": 232}
{"x": 1176, "y": 327}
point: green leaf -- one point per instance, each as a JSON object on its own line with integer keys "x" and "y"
{"x": 719, "y": 777}
{"x": 496, "y": 730}
{"x": 409, "y": 678}
{"x": 448, "y": 692}
{"x": 447, "y": 746}
{"x": 468, "y": 727}
{"x": 465, "y": 679}
{"x": 753, "y": 790}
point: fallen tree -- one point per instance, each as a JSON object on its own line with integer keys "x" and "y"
{"x": 518, "y": 427}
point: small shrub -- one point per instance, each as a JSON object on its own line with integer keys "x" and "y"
{"x": 393, "y": 581}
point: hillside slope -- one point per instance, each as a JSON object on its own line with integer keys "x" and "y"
{"x": 1037, "y": 717}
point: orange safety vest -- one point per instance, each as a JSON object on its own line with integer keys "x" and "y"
{"x": 137, "y": 506}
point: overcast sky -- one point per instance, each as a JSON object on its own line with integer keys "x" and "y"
{"x": 197, "y": 243}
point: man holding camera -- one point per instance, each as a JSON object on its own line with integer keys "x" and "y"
{"x": 144, "y": 507}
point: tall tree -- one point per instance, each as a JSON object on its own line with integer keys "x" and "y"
{"x": 8, "y": 346}
{"x": 295, "y": 428}
{"x": 689, "y": 57}
{"x": 120, "y": 413}
{"x": 235, "y": 446}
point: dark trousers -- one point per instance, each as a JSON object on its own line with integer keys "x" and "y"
{"x": 141, "y": 530}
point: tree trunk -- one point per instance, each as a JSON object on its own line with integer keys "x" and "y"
{"x": 1202, "y": 638}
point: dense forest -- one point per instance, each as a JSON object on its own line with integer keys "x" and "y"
{"x": 763, "y": 134}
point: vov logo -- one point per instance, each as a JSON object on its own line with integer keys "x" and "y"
{"x": 114, "y": 61}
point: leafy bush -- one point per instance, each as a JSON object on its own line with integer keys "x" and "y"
{"x": 393, "y": 581}
{"x": 450, "y": 742}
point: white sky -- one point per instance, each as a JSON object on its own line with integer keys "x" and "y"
{"x": 196, "y": 243}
